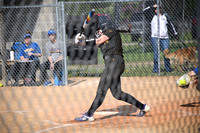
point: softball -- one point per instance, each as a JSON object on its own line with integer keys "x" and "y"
{"x": 1, "y": 85}
{"x": 182, "y": 82}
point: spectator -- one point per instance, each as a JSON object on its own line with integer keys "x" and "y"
{"x": 29, "y": 62}
{"x": 163, "y": 34}
{"x": 16, "y": 47}
{"x": 54, "y": 51}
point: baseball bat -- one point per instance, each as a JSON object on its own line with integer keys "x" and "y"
{"x": 91, "y": 13}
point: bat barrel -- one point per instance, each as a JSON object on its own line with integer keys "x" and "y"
{"x": 91, "y": 13}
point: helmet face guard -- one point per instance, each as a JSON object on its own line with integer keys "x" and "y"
{"x": 98, "y": 33}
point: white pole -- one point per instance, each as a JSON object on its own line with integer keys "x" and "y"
{"x": 183, "y": 18}
{"x": 65, "y": 47}
{"x": 158, "y": 28}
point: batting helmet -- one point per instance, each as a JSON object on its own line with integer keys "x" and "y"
{"x": 27, "y": 36}
{"x": 104, "y": 25}
{"x": 51, "y": 32}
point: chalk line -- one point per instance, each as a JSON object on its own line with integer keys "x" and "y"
{"x": 18, "y": 112}
{"x": 49, "y": 121}
{"x": 65, "y": 125}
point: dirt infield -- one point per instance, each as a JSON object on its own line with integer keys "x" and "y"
{"x": 52, "y": 109}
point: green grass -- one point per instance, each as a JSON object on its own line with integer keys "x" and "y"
{"x": 126, "y": 38}
{"x": 138, "y": 63}
{"x": 134, "y": 53}
{"x": 140, "y": 70}
{"x": 146, "y": 70}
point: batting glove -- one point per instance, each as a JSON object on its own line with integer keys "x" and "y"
{"x": 80, "y": 39}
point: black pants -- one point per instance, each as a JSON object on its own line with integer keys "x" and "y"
{"x": 114, "y": 67}
{"x": 22, "y": 69}
{"x": 46, "y": 66}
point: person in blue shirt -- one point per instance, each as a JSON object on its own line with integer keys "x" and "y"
{"x": 29, "y": 50}
{"x": 29, "y": 61}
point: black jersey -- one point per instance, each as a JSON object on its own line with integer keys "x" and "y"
{"x": 113, "y": 45}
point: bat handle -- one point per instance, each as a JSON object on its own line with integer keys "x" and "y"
{"x": 81, "y": 31}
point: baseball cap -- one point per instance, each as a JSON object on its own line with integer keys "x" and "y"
{"x": 27, "y": 36}
{"x": 51, "y": 32}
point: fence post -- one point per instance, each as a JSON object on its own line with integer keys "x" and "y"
{"x": 64, "y": 43}
{"x": 198, "y": 36}
{"x": 158, "y": 21}
{"x": 4, "y": 65}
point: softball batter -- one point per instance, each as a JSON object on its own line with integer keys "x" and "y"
{"x": 109, "y": 41}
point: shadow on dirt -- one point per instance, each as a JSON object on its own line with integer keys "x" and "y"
{"x": 123, "y": 110}
{"x": 194, "y": 104}
{"x": 73, "y": 83}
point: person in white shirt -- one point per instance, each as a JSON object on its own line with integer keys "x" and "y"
{"x": 163, "y": 34}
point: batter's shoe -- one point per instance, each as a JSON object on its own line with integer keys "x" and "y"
{"x": 84, "y": 118}
{"x": 144, "y": 111}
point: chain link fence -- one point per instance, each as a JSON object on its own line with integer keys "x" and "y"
{"x": 137, "y": 44}
{"x": 18, "y": 22}
{"x": 138, "y": 52}
{"x": 149, "y": 77}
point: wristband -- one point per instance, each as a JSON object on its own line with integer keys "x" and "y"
{"x": 196, "y": 71}
{"x": 90, "y": 40}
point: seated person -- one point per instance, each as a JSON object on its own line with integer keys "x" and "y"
{"x": 54, "y": 51}
{"x": 29, "y": 62}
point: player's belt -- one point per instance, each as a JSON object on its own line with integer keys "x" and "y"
{"x": 113, "y": 55}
